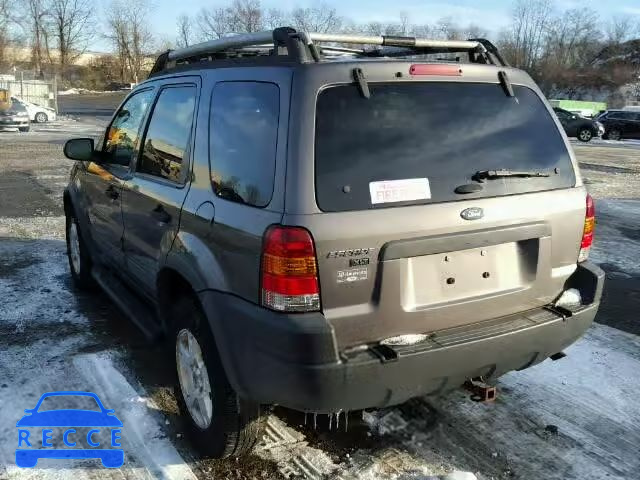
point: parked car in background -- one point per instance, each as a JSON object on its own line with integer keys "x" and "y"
{"x": 37, "y": 113}
{"x": 577, "y": 126}
{"x": 619, "y": 124}
{"x": 16, "y": 116}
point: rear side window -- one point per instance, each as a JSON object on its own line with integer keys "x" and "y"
{"x": 243, "y": 139}
{"x": 426, "y": 139}
{"x": 621, "y": 115}
{"x": 168, "y": 134}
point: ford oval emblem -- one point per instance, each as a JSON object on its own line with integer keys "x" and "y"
{"x": 473, "y": 213}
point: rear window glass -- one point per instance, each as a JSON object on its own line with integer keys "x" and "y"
{"x": 441, "y": 132}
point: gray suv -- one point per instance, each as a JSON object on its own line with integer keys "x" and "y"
{"x": 334, "y": 228}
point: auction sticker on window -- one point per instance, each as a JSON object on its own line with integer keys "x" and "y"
{"x": 407, "y": 190}
{"x": 352, "y": 275}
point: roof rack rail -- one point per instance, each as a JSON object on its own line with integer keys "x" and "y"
{"x": 301, "y": 47}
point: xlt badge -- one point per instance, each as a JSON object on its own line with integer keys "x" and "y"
{"x": 358, "y": 262}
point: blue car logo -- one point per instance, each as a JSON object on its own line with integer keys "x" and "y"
{"x": 71, "y": 420}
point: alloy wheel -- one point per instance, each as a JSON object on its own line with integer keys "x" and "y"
{"x": 194, "y": 379}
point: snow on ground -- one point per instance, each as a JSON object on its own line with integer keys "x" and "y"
{"x": 43, "y": 336}
{"x": 614, "y": 246}
{"x": 84, "y": 91}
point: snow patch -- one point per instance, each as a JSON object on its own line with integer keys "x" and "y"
{"x": 83, "y": 91}
{"x": 142, "y": 433}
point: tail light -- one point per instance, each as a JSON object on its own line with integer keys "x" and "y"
{"x": 289, "y": 270}
{"x": 587, "y": 235}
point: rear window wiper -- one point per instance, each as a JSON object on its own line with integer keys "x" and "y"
{"x": 482, "y": 175}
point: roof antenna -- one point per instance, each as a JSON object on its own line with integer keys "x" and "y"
{"x": 506, "y": 83}
{"x": 360, "y": 79}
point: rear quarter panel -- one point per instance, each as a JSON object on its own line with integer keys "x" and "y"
{"x": 219, "y": 243}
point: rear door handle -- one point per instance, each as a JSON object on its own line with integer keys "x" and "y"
{"x": 160, "y": 214}
{"x": 112, "y": 193}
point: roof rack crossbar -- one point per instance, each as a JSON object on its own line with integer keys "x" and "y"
{"x": 301, "y": 46}
{"x": 266, "y": 38}
{"x": 235, "y": 41}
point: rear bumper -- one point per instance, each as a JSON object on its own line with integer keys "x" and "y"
{"x": 293, "y": 361}
{"x": 4, "y": 123}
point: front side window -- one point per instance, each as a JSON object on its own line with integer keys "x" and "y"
{"x": 123, "y": 135}
{"x": 167, "y": 138}
{"x": 243, "y": 139}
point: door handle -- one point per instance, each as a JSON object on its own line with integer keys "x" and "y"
{"x": 112, "y": 193}
{"x": 160, "y": 214}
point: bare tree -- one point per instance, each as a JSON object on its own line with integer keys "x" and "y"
{"x": 71, "y": 22}
{"x": 447, "y": 29}
{"x": 274, "y": 18}
{"x": 5, "y": 10}
{"x": 572, "y": 39}
{"x": 245, "y": 16}
{"x": 185, "y": 34}
{"x": 212, "y": 23}
{"x": 34, "y": 22}
{"x": 523, "y": 42}
{"x": 474, "y": 31}
{"x": 128, "y": 31}
{"x": 242, "y": 16}
{"x": 404, "y": 25}
{"x": 321, "y": 18}
{"x": 618, "y": 30}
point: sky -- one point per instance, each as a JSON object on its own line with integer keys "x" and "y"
{"x": 490, "y": 14}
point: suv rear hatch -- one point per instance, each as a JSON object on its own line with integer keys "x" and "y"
{"x": 418, "y": 232}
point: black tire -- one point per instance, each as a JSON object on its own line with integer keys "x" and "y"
{"x": 614, "y": 134}
{"x": 41, "y": 117}
{"x": 236, "y": 424}
{"x": 585, "y": 134}
{"x": 81, "y": 273}
{"x": 23, "y": 129}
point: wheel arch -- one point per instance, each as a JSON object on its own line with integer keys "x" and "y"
{"x": 171, "y": 284}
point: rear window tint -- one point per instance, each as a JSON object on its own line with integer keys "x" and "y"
{"x": 442, "y": 132}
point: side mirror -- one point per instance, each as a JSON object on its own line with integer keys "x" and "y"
{"x": 79, "y": 149}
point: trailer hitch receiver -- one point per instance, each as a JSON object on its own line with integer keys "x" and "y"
{"x": 480, "y": 391}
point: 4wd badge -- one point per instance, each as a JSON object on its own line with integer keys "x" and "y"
{"x": 473, "y": 213}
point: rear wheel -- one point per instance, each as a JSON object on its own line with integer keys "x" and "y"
{"x": 41, "y": 117}
{"x": 614, "y": 134}
{"x": 221, "y": 424}
{"x": 585, "y": 135}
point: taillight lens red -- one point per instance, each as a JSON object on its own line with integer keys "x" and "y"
{"x": 289, "y": 270}
{"x": 589, "y": 227}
